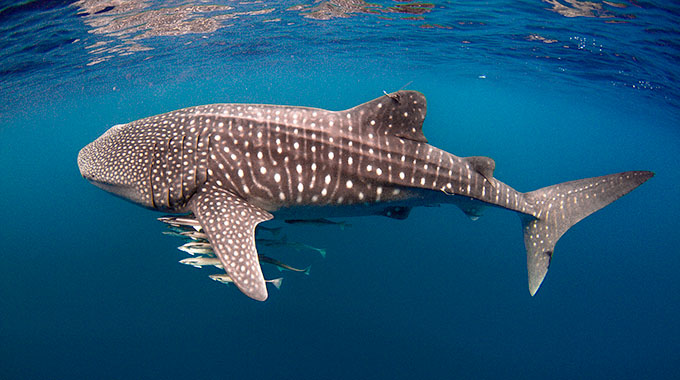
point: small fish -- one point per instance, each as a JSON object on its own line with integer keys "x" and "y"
{"x": 298, "y": 246}
{"x": 181, "y": 221}
{"x": 201, "y": 261}
{"x": 281, "y": 266}
{"x": 175, "y": 234}
{"x": 319, "y": 222}
{"x": 292, "y": 244}
{"x": 225, "y": 279}
{"x": 177, "y": 229}
{"x": 185, "y": 234}
{"x": 195, "y": 235}
{"x": 197, "y": 248}
{"x": 274, "y": 231}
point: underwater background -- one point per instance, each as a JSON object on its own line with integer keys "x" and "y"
{"x": 552, "y": 90}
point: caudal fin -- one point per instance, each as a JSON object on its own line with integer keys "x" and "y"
{"x": 558, "y": 207}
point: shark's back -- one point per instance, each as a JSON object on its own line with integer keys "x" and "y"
{"x": 283, "y": 156}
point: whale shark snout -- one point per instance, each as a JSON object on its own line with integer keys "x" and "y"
{"x": 113, "y": 166}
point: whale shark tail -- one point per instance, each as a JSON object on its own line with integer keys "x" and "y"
{"x": 558, "y": 207}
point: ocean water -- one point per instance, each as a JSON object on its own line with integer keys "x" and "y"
{"x": 552, "y": 90}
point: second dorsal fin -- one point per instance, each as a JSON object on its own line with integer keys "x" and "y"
{"x": 399, "y": 114}
{"x": 482, "y": 165}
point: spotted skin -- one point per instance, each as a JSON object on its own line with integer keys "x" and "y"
{"x": 306, "y": 163}
{"x": 230, "y": 222}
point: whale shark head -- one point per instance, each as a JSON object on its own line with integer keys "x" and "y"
{"x": 116, "y": 166}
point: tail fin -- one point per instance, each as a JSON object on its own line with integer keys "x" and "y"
{"x": 558, "y": 207}
{"x": 276, "y": 282}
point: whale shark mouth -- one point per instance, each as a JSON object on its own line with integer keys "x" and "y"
{"x": 127, "y": 192}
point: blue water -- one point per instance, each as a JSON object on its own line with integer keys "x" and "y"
{"x": 552, "y": 90}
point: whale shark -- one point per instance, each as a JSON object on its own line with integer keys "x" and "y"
{"x": 237, "y": 165}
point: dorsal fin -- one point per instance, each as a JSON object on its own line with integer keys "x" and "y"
{"x": 482, "y": 165}
{"x": 399, "y": 114}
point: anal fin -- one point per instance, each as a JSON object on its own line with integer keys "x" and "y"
{"x": 229, "y": 222}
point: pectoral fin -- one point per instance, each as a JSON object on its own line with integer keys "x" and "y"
{"x": 229, "y": 221}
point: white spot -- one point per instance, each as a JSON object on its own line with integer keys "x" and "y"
{"x": 263, "y": 170}
{"x": 349, "y": 184}
{"x": 298, "y": 168}
{"x": 331, "y": 155}
{"x": 301, "y": 187}
{"x": 277, "y": 177}
{"x": 327, "y": 179}
{"x": 378, "y": 171}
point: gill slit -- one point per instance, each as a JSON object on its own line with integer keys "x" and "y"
{"x": 181, "y": 171}
{"x": 196, "y": 160}
{"x": 207, "y": 157}
{"x": 153, "y": 200}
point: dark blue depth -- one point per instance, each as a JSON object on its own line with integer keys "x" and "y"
{"x": 90, "y": 288}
